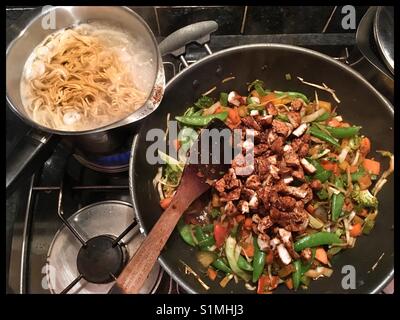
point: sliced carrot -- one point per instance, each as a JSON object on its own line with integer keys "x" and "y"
{"x": 353, "y": 169}
{"x": 212, "y": 274}
{"x": 164, "y": 203}
{"x": 270, "y": 96}
{"x": 364, "y": 182}
{"x": 248, "y": 223}
{"x": 365, "y": 146}
{"x": 248, "y": 249}
{"x": 289, "y": 283}
{"x": 344, "y": 124}
{"x": 372, "y": 166}
{"x": 321, "y": 256}
{"x": 331, "y": 166}
{"x": 356, "y": 230}
{"x": 269, "y": 258}
{"x": 219, "y": 110}
{"x": 310, "y": 208}
{"x": 325, "y": 105}
{"x": 333, "y": 123}
{"x": 233, "y": 117}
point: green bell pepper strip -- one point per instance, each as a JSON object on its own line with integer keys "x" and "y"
{"x": 201, "y": 120}
{"x": 186, "y": 233}
{"x": 324, "y": 117}
{"x": 296, "y": 274}
{"x": 337, "y": 201}
{"x": 232, "y": 255}
{"x": 316, "y": 239}
{"x": 258, "y": 261}
{"x": 208, "y": 228}
{"x": 318, "y": 133}
{"x": 220, "y": 265}
{"x": 343, "y": 132}
{"x": 203, "y": 240}
{"x": 293, "y": 94}
{"x": 243, "y": 264}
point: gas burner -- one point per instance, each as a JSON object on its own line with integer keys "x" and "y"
{"x": 101, "y": 260}
{"x": 106, "y": 164}
{"x": 92, "y": 267}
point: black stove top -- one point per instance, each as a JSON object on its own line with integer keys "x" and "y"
{"x": 33, "y": 218}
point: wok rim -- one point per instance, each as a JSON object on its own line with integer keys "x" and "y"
{"x": 383, "y": 283}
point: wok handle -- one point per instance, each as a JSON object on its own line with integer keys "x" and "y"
{"x": 27, "y": 156}
{"x": 176, "y": 42}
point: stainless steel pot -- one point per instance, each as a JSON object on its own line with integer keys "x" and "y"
{"x": 33, "y": 150}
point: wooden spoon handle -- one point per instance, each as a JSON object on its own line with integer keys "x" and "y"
{"x": 137, "y": 270}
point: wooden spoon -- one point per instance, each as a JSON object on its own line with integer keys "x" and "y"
{"x": 192, "y": 185}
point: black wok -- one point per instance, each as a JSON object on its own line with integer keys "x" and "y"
{"x": 360, "y": 104}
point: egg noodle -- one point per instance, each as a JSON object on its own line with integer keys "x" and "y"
{"x": 78, "y": 79}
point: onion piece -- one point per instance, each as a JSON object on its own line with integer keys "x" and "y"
{"x": 319, "y": 272}
{"x": 343, "y": 154}
{"x": 313, "y": 116}
{"x": 300, "y": 130}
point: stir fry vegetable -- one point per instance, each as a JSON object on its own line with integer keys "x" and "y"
{"x": 312, "y": 192}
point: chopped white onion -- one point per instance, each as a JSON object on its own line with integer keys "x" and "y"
{"x": 254, "y": 113}
{"x": 284, "y": 254}
{"x": 313, "y": 116}
{"x": 300, "y": 130}
{"x": 308, "y": 166}
{"x": 343, "y": 154}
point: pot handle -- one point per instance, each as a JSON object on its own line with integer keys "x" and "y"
{"x": 27, "y": 156}
{"x": 176, "y": 42}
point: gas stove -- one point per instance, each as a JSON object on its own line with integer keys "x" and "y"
{"x": 71, "y": 228}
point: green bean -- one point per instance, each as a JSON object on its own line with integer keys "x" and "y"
{"x": 201, "y": 120}
{"x": 203, "y": 240}
{"x": 258, "y": 261}
{"x": 324, "y": 117}
{"x": 343, "y": 132}
{"x": 221, "y": 265}
{"x": 293, "y": 94}
{"x": 244, "y": 264}
{"x": 316, "y": 239}
{"x": 318, "y": 133}
{"x": 296, "y": 274}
